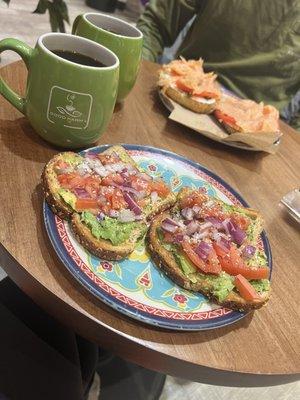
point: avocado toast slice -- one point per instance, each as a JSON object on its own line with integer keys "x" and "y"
{"x": 107, "y": 197}
{"x": 208, "y": 246}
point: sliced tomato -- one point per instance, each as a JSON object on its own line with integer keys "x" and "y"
{"x": 214, "y": 265}
{"x": 233, "y": 264}
{"x": 160, "y": 188}
{"x": 117, "y": 200}
{"x": 194, "y": 198}
{"x": 245, "y": 288}
{"x": 224, "y": 117}
{"x": 77, "y": 181}
{"x": 185, "y": 85}
{"x": 142, "y": 202}
{"x": 219, "y": 250}
{"x": 85, "y": 204}
{"x": 196, "y": 260}
{"x": 206, "y": 95}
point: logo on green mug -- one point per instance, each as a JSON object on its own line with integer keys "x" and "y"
{"x": 68, "y": 108}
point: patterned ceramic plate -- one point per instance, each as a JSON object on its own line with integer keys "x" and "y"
{"x": 135, "y": 286}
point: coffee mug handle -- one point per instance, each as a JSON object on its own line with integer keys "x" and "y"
{"x": 25, "y": 52}
{"x": 75, "y": 23}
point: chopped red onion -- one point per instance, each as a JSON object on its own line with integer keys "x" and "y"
{"x": 171, "y": 221}
{"x": 128, "y": 189}
{"x": 196, "y": 209}
{"x": 187, "y": 213}
{"x": 126, "y": 216}
{"x": 205, "y": 226}
{"x": 192, "y": 227}
{"x": 100, "y": 216}
{"x": 154, "y": 197}
{"x": 132, "y": 204}
{"x": 216, "y": 222}
{"x": 224, "y": 244}
{"x": 113, "y": 213}
{"x": 82, "y": 193}
{"x": 225, "y": 225}
{"x": 203, "y": 250}
{"x": 168, "y": 227}
{"x": 200, "y": 236}
{"x": 249, "y": 251}
{"x": 236, "y": 233}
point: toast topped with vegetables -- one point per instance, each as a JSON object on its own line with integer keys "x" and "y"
{"x": 208, "y": 246}
{"x": 107, "y": 197}
{"x": 238, "y": 115}
{"x": 185, "y": 82}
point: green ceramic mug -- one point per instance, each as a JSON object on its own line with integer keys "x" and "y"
{"x": 67, "y": 103}
{"x": 123, "y": 39}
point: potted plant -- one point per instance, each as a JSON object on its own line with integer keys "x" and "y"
{"x": 58, "y": 13}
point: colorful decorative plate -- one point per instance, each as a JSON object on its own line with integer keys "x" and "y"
{"x": 135, "y": 286}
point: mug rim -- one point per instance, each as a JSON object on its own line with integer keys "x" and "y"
{"x": 82, "y": 39}
{"x": 84, "y": 16}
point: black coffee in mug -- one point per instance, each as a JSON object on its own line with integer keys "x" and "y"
{"x": 78, "y": 58}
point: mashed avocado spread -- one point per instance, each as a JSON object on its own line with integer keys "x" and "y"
{"x": 112, "y": 229}
{"x": 68, "y": 197}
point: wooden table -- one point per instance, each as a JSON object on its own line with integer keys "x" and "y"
{"x": 262, "y": 349}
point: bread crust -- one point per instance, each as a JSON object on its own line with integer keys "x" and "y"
{"x": 167, "y": 263}
{"x": 187, "y": 102}
{"x": 49, "y": 186}
{"x": 99, "y": 247}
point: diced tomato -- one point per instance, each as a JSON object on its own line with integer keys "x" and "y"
{"x": 117, "y": 200}
{"x": 168, "y": 237}
{"x": 195, "y": 198}
{"x": 206, "y": 95}
{"x": 142, "y": 202}
{"x": 241, "y": 221}
{"x": 140, "y": 184}
{"x": 212, "y": 260}
{"x": 110, "y": 180}
{"x": 61, "y": 164}
{"x": 245, "y": 288}
{"x": 219, "y": 250}
{"x": 77, "y": 181}
{"x": 233, "y": 264}
{"x": 85, "y": 204}
{"x": 196, "y": 260}
{"x": 71, "y": 181}
{"x": 160, "y": 188}
{"x": 184, "y": 85}
{"x": 109, "y": 158}
{"x": 224, "y": 117}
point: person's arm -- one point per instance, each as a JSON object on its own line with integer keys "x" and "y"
{"x": 161, "y": 23}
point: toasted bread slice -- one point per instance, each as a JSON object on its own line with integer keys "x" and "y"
{"x": 51, "y": 186}
{"x": 100, "y": 247}
{"x": 166, "y": 258}
{"x": 188, "y": 102}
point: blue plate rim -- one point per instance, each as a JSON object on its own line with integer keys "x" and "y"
{"x": 161, "y": 322}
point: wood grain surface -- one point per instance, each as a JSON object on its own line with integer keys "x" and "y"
{"x": 262, "y": 349}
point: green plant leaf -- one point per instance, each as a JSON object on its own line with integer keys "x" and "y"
{"x": 41, "y": 7}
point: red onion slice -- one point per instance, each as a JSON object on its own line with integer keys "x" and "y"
{"x": 236, "y": 233}
{"x": 168, "y": 227}
{"x": 82, "y": 193}
{"x": 215, "y": 222}
{"x": 171, "y": 221}
{"x": 192, "y": 227}
{"x": 187, "y": 213}
{"x": 132, "y": 204}
{"x": 249, "y": 251}
{"x": 203, "y": 250}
